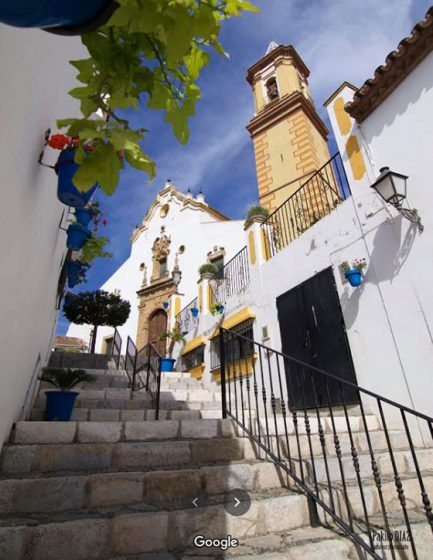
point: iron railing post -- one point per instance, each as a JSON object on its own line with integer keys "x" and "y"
{"x": 148, "y": 367}
{"x": 223, "y": 374}
{"x": 158, "y": 392}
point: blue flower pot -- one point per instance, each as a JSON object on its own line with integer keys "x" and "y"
{"x": 167, "y": 364}
{"x": 194, "y": 311}
{"x": 220, "y": 308}
{"x": 354, "y": 277}
{"x": 77, "y": 236}
{"x": 165, "y": 305}
{"x": 80, "y": 14}
{"x": 83, "y": 215}
{"x": 72, "y": 281}
{"x": 59, "y": 405}
{"x": 67, "y": 193}
{"x": 73, "y": 268}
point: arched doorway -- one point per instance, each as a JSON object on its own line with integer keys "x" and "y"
{"x": 157, "y": 327}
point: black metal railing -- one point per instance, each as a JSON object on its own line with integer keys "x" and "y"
{"x": 185, "y": 319}
{"x": 368, "y": 466}
{"x": 313, "y": 200}
{"x": 143, "y": 368}
{"x": 232, "y": 279}
{"x": 116, "y": 347}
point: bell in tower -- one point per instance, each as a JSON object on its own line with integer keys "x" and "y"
{"x": 290, "y": 139}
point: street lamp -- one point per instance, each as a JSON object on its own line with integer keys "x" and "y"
{"x": 176, "y": 274}
{"x": 391, "y": 187}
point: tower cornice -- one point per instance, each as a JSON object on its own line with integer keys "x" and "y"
{"x": 281, "y": 109}
{"x": 279, "y": 54}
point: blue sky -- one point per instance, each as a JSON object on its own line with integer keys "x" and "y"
{"x": 337, "y": 39}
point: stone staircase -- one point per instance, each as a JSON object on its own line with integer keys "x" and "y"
{"x": 114, "y": 484}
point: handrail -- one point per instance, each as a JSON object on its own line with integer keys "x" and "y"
{"x": 325, "y": 189}
{"x": 346, "y": 465}
{"x": 232, "y": 279}
{"x": 116, "y": 348}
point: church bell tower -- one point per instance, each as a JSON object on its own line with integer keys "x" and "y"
{"x": 290, "y": 139}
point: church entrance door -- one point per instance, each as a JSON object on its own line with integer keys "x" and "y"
{"x": 157, "y": 327}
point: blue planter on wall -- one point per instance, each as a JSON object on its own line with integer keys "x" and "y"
{"x": 194, "y": 311}
{"x": 67, "y": 193}
{"x": 73, "y": 14}
{"x": 354, "y": 277}
{"x": 59, "y": 405}
{"x": 83, "y": 215}
{"x": 77, "y": 235}
{"x": 220, "y": 308}
{"x": 167, "y": 364}
{"x": 165, "y": 305}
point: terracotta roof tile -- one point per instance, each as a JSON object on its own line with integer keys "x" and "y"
{"x": 398, "y": 64}
{"x": 70, "y": 341}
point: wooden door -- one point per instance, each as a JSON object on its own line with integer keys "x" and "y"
{"x": 157, "y": 327}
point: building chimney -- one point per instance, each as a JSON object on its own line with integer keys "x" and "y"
{"x": 200, "y": 196}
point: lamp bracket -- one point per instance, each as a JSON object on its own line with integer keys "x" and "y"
{"x": 412, "y": 215}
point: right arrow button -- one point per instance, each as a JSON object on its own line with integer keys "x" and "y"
{"x": 237, "y": 502}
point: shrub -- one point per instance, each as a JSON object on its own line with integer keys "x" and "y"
{"x": 257, "y": 211}
{"x": 207, "y": 268}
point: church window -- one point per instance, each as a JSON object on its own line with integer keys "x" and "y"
{"x": 162, "y": 268}
{"x": 181, "y": 249}
{"x": 272, "y": 89}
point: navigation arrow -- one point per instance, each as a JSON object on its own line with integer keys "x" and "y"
{"x": 237, "y": 502}
{"x": 195, "y": 502}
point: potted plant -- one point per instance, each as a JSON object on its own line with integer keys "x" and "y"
{"x": 353, "y": 273}
{"x": 77, "y": 235}
{"x": 194, "y": 311}
{"x": 94, "y": 247}
{"x": 167, "y": 364}
{"x": 61, "y": 402}
{"x": 63, "y": 16}
{"x": 217, "y": 308}
{"x": 207, "y": 270}
{"x": 66, "y": 166}
{"x": 257, "y": 212}
{"x": 165, "y": 304}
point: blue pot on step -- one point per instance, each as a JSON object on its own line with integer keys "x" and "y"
{"x": 167, "y": 364}
{"x": 59, "y": 405}
{"x": 354, "y": 277}
{"x": 67, "y": 193}
{"x": 65, "y": 17}
{"x": 83, "y": 215}
{"x": 77, "y": 236}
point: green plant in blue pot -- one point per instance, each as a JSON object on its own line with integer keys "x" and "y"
{"x": 60, "y": 402}
{"x": 167, "y": 364}
{"x": 354, "y": 272}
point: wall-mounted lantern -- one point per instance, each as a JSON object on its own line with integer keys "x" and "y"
{"x": 391, "y": 187}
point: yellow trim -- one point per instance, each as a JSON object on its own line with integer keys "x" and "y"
{"x": 355, "y": 157}
{"x": 266, "y": 252}
{"x": 338, "y": 90}
{"x": 233, "y": 320}
{"x": 177, "y": 306}
{"x": 193, "y": 344}
{"x": 209, "y": 297}
{"x": 200, "y": 299}
{"x": 343, "y": 119}
{"x": 252, "y": 247}
{"x": 240, "y": 367}
{"x": 197, "y": 371}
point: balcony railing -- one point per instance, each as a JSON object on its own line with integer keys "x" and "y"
{"x": 232, "y": 279}
{"x": 185, "y": 320}
{"x": 315, "y": 199}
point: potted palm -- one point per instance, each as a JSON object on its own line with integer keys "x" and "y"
{"x": 61, "y": 401}
{"x": 257, "y": 212}
{"x": 167, "y": 364}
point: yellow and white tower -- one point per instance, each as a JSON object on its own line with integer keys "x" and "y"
{"x": 290, "y": 139}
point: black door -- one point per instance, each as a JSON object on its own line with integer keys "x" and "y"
{"x": 312, "y": 330}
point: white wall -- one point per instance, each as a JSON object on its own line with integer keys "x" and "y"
{"x": 192, "y": 227}
{"x": 36, "y": 77}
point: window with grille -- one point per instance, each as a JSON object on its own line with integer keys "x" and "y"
{"x": 236, "y": 348}
{"x": 191, "y": 359}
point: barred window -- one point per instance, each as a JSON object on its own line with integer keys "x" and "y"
{"x": 236, "y": 348}
{"x": 192, "y": 359}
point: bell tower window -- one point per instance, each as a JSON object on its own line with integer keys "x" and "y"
{"x": 162, "y": 267}
{"x": 272, "y": 89}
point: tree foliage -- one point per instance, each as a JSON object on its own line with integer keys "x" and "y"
{"x": 151, "y": 50}
{"x": 97, "y": 308}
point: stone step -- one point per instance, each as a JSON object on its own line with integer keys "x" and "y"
{"x": 29, "y": 433}
{"x": 162, "y": 489}
{"x": 123, "y": 456}
{"x": 100, "y": 537}
{"x": 116, "y": 414}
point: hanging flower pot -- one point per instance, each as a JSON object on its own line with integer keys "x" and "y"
{"x": 194, "y": 311}
{"x": 77, "y": 235}
{"x": 65, "y": 17}
{"x": 72, "y": 281}
{"x": 354, "y": 277}
{"x": 165, "y": 305}
{"x": 83, "y": 215}
{"x": 73, "y": 268}
{"x": 220, "y": 308}
{"x": 67, "y": 193}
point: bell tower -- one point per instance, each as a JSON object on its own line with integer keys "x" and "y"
{"x": 290, "y": 139}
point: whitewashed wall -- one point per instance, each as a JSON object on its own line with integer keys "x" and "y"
{"x": 36, "y": 77}
{"x": 192, "y": 227}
